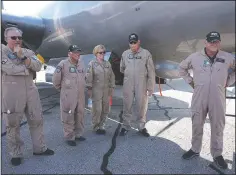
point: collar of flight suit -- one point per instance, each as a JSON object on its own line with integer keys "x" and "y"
{"x": 139, "y": 50}
{"x": 204, "y": 54}
{"x": 69, "y": 59}
{"x": 6, "y": 48}
{"x": 103, "y": 63}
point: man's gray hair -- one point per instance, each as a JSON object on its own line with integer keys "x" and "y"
{"x": 10, "y": 29}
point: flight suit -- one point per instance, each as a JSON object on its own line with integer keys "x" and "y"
{"x": 69, "y": 79}
{"x": 101, "y": 79}
{"x": 20, "y": 96}
{"x": 209, "y": 95}
{"x": 139, "y": 77}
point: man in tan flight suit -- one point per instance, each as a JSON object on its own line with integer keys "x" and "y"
{"x": 69, "y": 79}
{"x": 139, "y": 80}
{"x": 100, "y": 81}
{"x": 210, "y": 78}
{"x": 20, "y": 96}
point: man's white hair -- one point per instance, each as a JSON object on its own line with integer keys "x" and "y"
{"x": 10, "y": 29}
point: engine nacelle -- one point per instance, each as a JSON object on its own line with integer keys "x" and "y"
{"x": 32, "y": 27}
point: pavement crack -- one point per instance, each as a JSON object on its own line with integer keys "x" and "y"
{"x": 112, "y": 148}
{"x": 166, "y": 111}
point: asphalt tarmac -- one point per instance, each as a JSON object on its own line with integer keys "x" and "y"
{"x": 168, "y": 122}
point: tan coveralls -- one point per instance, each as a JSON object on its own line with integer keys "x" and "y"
{"x": 139, "y": 77}
{"x": 20, "y": 96}
{"x": 69, "y": 79}
{"x": 101, "y": 78}
{"x": 209, "y": 95}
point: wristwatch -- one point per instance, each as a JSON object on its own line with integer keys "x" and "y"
{"x": 24, "y": 58}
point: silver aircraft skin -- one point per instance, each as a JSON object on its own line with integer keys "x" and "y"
{"x": 170, "y": 30}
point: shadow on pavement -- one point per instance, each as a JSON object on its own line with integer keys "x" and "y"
{"x": 135, "y": 154}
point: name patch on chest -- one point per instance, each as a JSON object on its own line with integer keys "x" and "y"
{"x": 131, "y": 56}
{"x": 80, "y": 70}
{"x": 221, "y": 60}
{"x": 12, "y": 56}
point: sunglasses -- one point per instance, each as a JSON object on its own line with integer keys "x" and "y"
{"x": 102, "y": 53}
{"x": 133, "y": 42}
{"x": 214, "y": 42}
{"x": 15, "y": 37}
{"x": 76, "y": 52}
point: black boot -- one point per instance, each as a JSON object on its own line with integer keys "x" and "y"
{"x": 220, "y": 162}
{"x": 189, "y": 155}
{"x": 48, "y": 152}
{"x": 123, "y": 132}
{"x": 80, "y": 138}
{"x": 100, "y": 132}
{"x": 144, "y": 132}
{"x": 16, "y": 161}
{"x": 71, "y": 142}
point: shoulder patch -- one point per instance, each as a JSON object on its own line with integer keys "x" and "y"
{"x": 58, "y": 69}
{"x": 89, "y": 69}
{"x": 34, "y": 57}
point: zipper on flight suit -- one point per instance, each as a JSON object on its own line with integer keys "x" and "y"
{"x": 210, "y": 75}
{"x": 103, "y": 67}
{"x": 134, "y": 71}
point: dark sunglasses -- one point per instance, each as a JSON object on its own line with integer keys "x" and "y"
{"x": 214, "y": 42}
{"x": 15, "y": 37}
{"x": 102, "y": 53}
{"x": 133, "y": 42}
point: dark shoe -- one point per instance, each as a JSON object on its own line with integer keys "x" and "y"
{"x": 144, "y": 132}
{"x": 103, "y": 131}
{"x": 16, "y": 161}
{"x": 123, "y": 132}
{"x": 71, "y": 142}
{"x": 220, "y": 162}
{"x": 100, "y": 131}
{"x": 189, "y": 155}
{"x": 48, "y": 152}
{"x": 80, "y": 138}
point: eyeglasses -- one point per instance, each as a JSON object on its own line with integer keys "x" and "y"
{"x": 102, "y": 53}
{"x": 15, "y": 37}
{"x": 214, "y": 42}
{"x": 133, "y": 42}
{"x": 76, "y": 52}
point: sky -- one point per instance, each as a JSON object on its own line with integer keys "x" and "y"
{"x": 25, "y": 7}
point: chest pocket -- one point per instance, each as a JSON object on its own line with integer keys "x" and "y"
{"x": 130, "y": 58}
{"x": 221, "y": 65}
{"x": 13, "y": 58}
{"x": 97, "y": 72}
{"x": 106, "y": 68}
{"x": 201, "y": 66}
{"x": 80, "y": 70}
